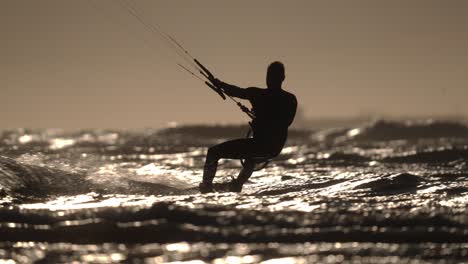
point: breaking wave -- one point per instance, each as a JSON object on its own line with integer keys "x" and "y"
{"x": 27, "y": 181}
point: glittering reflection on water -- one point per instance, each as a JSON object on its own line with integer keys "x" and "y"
{"x": 110, "y": 197}
{"x": 236, "y": 253}
{"x": 92, "y": 200}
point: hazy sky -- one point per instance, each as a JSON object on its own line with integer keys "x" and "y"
{"x": 89, "y": 63}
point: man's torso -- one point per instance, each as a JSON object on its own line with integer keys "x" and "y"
{"x": 274, "y": 111}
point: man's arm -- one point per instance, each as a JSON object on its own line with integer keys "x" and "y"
{"x": 232, "y": 90}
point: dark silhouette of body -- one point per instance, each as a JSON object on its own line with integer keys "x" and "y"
{"x": 274, "y": 111}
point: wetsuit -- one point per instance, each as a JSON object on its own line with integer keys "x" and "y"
{"x": 274, "y": 111}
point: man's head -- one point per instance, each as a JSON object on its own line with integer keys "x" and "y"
{"x": 275, "y": 75}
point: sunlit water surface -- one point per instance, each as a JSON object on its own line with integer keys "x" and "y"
{"x": 331, "y": 197}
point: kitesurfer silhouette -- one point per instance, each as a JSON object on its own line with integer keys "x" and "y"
{"x": 274, "y": 110}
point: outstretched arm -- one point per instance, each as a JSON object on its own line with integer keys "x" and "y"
{"x": 232, "y": 90}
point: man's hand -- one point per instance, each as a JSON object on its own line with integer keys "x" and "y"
{"x": 217, "y": 83}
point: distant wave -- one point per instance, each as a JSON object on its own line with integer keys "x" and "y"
{"x": 387, "y": 130}
{"x": 15, "y": 142}
{"x": 383, "y": 130}
{"x": 221, "y": 131}
{"x": 432, "y": 156}
{"x": 425, "y": 156}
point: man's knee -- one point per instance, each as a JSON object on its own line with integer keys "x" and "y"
{"x": 213, "y": 153}
{"x": 249, "y": 164}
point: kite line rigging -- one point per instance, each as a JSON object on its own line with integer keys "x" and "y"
{"x": 199, "y": 70}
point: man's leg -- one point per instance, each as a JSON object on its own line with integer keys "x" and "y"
{"x": 209, "y": 171}
{"x": 244, "y": 175}
{"x": 234, "y": 149}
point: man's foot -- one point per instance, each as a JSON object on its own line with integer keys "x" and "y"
{"x": 205, "y": 188}
{"x": 235, "y": 186}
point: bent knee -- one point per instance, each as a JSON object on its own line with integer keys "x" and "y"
{"x": 213, "y": 152}
{"x": 249, "y": 163}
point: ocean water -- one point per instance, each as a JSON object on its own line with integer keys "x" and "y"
{"x": 386, "y": 192}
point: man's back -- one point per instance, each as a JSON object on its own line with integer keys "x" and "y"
{"x": 274, "y": 112}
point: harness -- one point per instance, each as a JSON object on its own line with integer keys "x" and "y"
{"x": 260, "y": 162}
